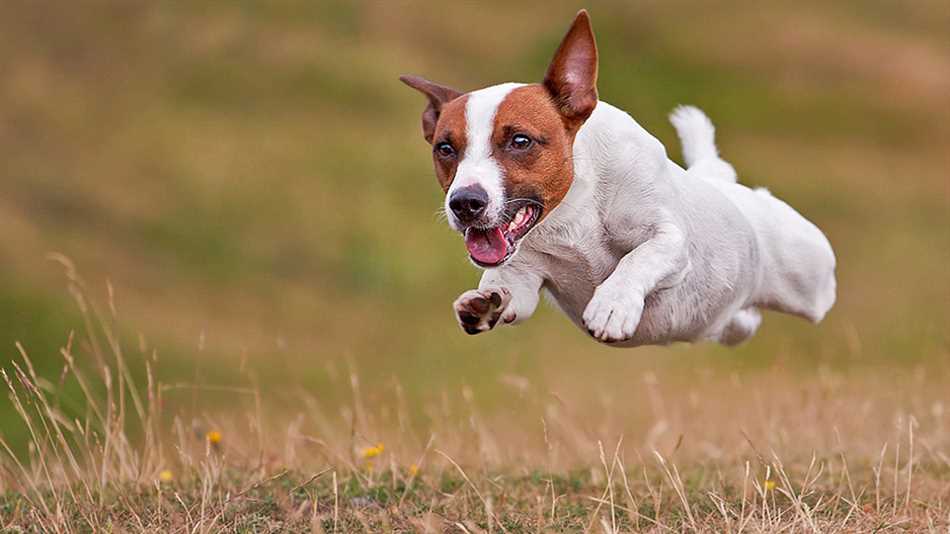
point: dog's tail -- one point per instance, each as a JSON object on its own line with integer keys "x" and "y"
{"x": 698, "y": 136}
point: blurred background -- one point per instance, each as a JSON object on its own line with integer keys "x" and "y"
{"x": 251, "y": 181}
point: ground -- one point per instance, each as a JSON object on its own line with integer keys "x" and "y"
{"x": 755, "y": 451}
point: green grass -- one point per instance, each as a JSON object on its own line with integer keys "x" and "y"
{"x": 448, "y": 504}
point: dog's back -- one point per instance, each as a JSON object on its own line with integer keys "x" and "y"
{"x": 796, "y": 260}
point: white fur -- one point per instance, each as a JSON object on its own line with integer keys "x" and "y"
{"x": 477, "y": 166}
{"x": 698, "y": 136}
{"x": 641, "y": 251}
{"x": 696, "y": 132}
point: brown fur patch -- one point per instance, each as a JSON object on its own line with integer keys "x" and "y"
{"x": 572, "y": 75}
{"x": 450, "y": 129}
{"x": 544, "y": 171}
{"x": 438, "y": 96}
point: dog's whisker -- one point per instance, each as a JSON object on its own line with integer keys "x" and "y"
{"x": 440, "y": 215}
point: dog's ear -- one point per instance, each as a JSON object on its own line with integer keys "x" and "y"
{"x": 438, "y": 96}
{"x": 572, "y": 75}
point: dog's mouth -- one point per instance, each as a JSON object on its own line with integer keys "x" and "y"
{"x": 492, "y": 246}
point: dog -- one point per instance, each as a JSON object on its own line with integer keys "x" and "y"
{"x": 557, "y": 191}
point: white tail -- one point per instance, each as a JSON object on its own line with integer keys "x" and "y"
{"x": 698, "y": 136}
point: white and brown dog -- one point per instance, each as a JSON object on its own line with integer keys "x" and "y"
{"x": 555, "y": 190}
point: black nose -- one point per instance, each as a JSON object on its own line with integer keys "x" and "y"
{"x": 468, "y": 203}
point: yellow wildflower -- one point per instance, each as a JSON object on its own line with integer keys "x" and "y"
{"x": 413, "y": 470}
{"x": 769, "y": 485}
{"x": 166, "y": 476}
{"x": 372, "y": 452}
{"x": 213, "y": 437}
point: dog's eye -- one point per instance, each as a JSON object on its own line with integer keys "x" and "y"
{"x": 521, "y": 142}
{"x": 444, "y": 150}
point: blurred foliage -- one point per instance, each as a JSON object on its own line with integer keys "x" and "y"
{"x": 252, "y": 175}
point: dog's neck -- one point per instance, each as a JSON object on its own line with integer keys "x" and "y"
{"x": 609, "y": 147}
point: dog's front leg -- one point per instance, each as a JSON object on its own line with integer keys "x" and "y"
{"x": 614, "y": 311}
{"x": 507, "y": 294}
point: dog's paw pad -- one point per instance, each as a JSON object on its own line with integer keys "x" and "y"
{"x": 495, "y": 299}
{"x": 479, "y": 305}
{"x": 480, "y": 310}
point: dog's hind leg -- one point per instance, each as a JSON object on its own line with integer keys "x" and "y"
{"x": 741, "y": 327}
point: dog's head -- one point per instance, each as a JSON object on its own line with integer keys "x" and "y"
{"x": 503, "y": 154}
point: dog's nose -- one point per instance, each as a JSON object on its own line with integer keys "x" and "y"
{"x": 469, "y": 203}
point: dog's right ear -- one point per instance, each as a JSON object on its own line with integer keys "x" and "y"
{"x": 438, "y": 96}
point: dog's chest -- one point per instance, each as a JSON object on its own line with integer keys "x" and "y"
{"x": 574, "y": 261}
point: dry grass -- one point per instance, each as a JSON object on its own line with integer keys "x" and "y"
{"x": 258, "y": 156}
{"x": 765, "y": 452}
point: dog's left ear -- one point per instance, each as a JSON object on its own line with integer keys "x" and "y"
{"x": 438, "y": 96}
{"x": 572, "y": 75}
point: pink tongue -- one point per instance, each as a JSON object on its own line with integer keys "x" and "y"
{"x": 486, "y": 246}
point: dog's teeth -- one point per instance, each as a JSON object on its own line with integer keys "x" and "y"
{"x": 520, "y": 218}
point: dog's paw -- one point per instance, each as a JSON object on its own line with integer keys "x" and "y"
{"x": 613, "y": 314}
{"x": 478, "y": 310}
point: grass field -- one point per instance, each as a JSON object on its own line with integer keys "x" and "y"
{"x": 701, "y": 451}
{"x": 244, "y": 191}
